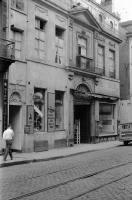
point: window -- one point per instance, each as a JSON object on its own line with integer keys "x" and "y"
{"x": 82, "y": 46}
{"x": 17, "y": 36}
{"x": 82, "y": 52}
{"x": 59, "y": 33}
{"x": 111, "y": 25}
{"x": 59, "y": 110}
{"x": 100, "y": 18}
{"x": 106, "y": 117}
{"x": 18, "y": 4}
{"x": 111, "y": 63}
{"x": 39, "y": 109}
{"x": 100, "y": 59}
{"x": 40, "y": 38}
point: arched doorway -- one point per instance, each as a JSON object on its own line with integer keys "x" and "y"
{"x": 15, "y": 118}
{"x": 82, "y": 114}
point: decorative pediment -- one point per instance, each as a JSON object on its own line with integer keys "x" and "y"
{"x": 84, "y": 16}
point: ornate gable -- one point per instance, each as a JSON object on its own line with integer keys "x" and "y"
{"x": 84, "y": 16}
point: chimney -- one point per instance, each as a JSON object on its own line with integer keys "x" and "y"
{"x": 108, "y": 5}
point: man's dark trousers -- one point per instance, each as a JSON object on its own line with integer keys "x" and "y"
{"x": 8, "y": 149}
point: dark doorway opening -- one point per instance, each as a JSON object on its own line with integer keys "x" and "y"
{"x": 15, "y": 121}
{"x": 82, "y": 114}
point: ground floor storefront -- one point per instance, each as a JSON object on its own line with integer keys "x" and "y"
{"x": 58, "y": 113}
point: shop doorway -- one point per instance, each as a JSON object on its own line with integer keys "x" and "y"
{"x": 82, "y": 123}
{"x": 15, "y": 120}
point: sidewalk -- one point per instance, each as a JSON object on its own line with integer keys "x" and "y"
{"x": 23, "y": 158}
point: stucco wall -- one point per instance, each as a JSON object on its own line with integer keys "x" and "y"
{"x": 108, "y": 87}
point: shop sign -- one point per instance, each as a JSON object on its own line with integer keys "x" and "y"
{"x": 5, "y": 103}
{"x": 51, "y": 112}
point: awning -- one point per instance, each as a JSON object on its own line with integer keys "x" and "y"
{"x": 105, "y": 97}
{"x": 89, "y": 96}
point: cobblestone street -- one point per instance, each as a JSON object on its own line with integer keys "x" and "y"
{"x": 104, "y": 174}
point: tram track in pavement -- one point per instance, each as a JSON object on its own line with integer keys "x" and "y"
{"x": 26, "y": 195}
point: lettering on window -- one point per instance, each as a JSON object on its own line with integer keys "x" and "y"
{"x": 51, "y": 112}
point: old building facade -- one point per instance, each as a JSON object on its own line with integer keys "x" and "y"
{"x": 125, "y": 61}
{"x": 64, "y": 85}
{"x": 6, "y": 59}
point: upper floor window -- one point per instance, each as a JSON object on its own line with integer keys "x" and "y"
{"x": 111, "y": 25}
{"x": 82, "y": 46}
{"x": 100, "y": 18}
{"x": 111, "y": 63}
{"x": 59, "y": 33}
{"x": 83, "y": 59}
{"x": 100, "y": 59}
{"x": 18, "y": 38}
{"x": 18, "y": 4}
{"x": 39, "y": 109}
{"x": 40, "y": 26}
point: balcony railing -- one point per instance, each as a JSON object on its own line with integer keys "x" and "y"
{"x": 88, "y": 65}
{"x": 7, "y": 50}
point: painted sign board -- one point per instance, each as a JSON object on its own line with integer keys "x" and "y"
{"x": 51, "y": 112}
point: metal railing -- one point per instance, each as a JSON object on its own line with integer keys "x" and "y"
{"x": 7, "y": 49}
{"x": 88, "y": 65}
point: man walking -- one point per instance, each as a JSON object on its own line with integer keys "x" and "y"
{"x": 8, "y": 137}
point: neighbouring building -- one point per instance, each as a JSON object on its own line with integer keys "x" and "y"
{"x": 6, "y": 58}
{"x": 94, "y": 62}
{"x": 125, "y": 61}
{"x": 64, "y": 85}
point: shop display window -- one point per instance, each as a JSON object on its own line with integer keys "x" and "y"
{"x": 59, "y": 110}
{"x": 39, "y": 109}
{"x": 106, "y": 117}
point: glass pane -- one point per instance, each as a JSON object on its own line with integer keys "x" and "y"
{"x": 83, "y": 52}
{"x": 37, "y": 23}
{"x": 59, "y": 110}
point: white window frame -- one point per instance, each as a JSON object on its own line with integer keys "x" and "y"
{"x": 40, "y": 26}
{"x": 101, "y": 56}
{"x": 112, "y": 66}
{"x": 59, "y": 45}
{"x": 18, "y": 44}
